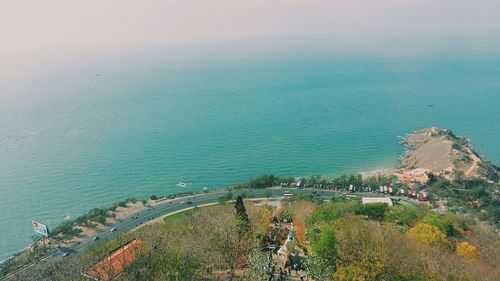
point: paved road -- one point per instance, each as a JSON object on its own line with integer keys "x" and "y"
{"x": 169, "y": 206}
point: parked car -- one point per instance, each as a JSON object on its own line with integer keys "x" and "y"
{"x": 96, "y": 238}
{"x": 66, "y": 254}
{"x": 113, "y": 229}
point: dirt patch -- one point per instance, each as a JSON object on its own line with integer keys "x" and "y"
{"x": 131, "y": 209}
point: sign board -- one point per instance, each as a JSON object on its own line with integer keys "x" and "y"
{"x": 40, "y": 228}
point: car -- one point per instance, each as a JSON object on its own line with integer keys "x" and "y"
{"x": 96, "y": 238}
{"x": 189, "y": 202}
{"x": 113, "y": 229}
{"x": 182, "y": 202}
{"x": 66, "y": 254}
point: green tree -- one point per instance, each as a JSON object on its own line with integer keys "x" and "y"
{"x": 441, "y": 222}
{"x": 402, "y": 215}
{"x": 241, "y": 213}
{"x": 323, "y": 244}
{"x": 373, "y": 211}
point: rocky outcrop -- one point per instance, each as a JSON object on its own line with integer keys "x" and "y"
{"x": 444, "y": 153}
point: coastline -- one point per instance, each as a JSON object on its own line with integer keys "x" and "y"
{"x": 130, "y": 207}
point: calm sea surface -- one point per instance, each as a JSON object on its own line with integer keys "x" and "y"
{"x": 86, "y": 137}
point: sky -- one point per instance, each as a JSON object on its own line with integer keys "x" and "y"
{"x": 34, "y": 29}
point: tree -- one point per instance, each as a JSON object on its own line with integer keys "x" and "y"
{"x": 241, "y": 214}
{"x": 429, "y": 234}
{"x": 231, "y": 243}
{"x": 467, "y": 251}
{"x": 373, "y": 211}
{"x": 441, "y": 222}
{"x": 402, "y": 215}
{"x": 324, "y": 244}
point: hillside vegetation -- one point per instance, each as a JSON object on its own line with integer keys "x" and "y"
{"x": 337, "y": 240}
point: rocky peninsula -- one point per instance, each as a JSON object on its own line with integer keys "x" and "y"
{"x": 446, "y": 154}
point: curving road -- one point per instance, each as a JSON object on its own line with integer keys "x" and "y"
{"x": 163, "y": 209}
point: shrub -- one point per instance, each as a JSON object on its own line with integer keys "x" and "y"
{"x": 284, "y": 214}
{"x": 319, "y": 268}
{"x": 467, "y": 251}
{"x": 373, "y": 211}
{"x": 429, "y": 234}
{"x": 324, "y": 244}
{"x": 401, "y": 215}
{"x": 441, "y": 222}
{"x": 328, "y": 212}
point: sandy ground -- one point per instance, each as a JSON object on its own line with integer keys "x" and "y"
{"x": 433, "y": 153}
{"x": 132, "y": 208}
{"x": 434, "y": 149}
{"x": 86, "y": 232}
{"x": 121, "y": 213}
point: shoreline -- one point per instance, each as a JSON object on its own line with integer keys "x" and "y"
{"x": 130, "y": 207}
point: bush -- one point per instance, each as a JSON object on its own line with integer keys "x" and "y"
{"x": 323, "y": 243}
{"x": 285, "y": 214}
{"x": 401, "y": 215}
{"x": 264, "y": 181}
{"x": 328, "y": 212}
{"x": 430, "y": 235}
{"x": 467, "y": 251}
{"x": 67, "y": 229}
{"x": 441, "y": 222}
{"x": 374, "y": 211}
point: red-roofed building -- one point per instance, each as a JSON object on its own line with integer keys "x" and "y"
{"x": 115, "y": 263}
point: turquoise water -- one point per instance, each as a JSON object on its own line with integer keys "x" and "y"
{"x": 72, "y": 140}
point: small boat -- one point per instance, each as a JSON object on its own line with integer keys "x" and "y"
{"x": 182, "y": 184}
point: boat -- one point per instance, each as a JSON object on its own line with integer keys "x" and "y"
{"x": 182, "y": 184}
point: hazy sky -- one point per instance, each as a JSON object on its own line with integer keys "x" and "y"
{"x": 38, "y": 28}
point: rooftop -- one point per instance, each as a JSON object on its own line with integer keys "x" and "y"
{"x": 115, "y": 263}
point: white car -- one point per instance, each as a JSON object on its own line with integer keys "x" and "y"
{"x": 113, "y": 229}
{"x": 182, "y": 202}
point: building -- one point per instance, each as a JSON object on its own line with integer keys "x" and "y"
{"x": 419, "y": 175}
{"x": 369, "y": 200}
{"x": 115, "y": 263}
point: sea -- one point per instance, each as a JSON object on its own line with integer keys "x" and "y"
{"x": 80, "y": 135}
